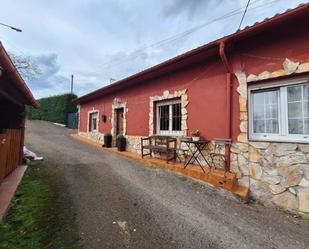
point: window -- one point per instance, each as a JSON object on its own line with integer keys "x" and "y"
{"x": 298, "y": 111}
{"x": 279, "y": 112}
{"x": 93, "y": 121}
{"x": 169, "y": 117}
{"x": 265, "y": 112}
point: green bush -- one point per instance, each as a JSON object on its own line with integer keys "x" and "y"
{"x": 53, "y": 108}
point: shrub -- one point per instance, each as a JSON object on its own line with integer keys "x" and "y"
{"x": 54, "y": 108}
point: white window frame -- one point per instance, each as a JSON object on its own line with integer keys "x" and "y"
{"x": 91, "y": 121}
{"x": 168, "y": 132}
{"x": 283, "y": 135}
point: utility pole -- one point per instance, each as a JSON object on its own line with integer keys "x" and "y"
{"x": 72, "y": 76}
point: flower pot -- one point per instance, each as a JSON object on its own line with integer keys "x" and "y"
{"x": 195, "y": 138}
{"x": 121, "y": 143}
{"x": 108, "y": 140}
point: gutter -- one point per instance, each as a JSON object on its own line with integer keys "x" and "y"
{"x": 228, "y": 130}
{"x": 10, "y": 69}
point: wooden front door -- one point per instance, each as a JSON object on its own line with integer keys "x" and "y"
{"x": 119, "y": 121}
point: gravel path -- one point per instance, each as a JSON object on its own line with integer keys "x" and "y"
{"x": 123, "y": 204}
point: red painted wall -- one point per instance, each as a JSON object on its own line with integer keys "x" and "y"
{"x": 206, "y": 83}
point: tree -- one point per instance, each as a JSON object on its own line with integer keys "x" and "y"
{"x": 28, "y": 69}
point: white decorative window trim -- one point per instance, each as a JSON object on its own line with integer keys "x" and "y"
{"x": 117, "y": 104}
{"x": 182, "y": 94}
{"x": 88, "y": 119}
{"x": 170, "y": 131}
{"x": 283, "y": 135}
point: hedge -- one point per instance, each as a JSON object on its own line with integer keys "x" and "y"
{"x": 54, "y": 108}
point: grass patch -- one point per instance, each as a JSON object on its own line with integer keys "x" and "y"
{"x": 259, "y": 202}
{"x": 41, "y": 214}
{"x": 183, "y": 178}
{"x": 281, "y": 209}
{"x": 301, "y": 216}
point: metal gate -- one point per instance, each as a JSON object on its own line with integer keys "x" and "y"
{"x": 72, "y": 120}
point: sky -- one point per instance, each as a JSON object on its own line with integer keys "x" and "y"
{"x": 100, "y": 41}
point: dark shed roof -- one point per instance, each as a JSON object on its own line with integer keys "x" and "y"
{"x": 8, "y": 70}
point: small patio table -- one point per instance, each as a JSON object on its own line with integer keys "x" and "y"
{"x": 197, "y": 149}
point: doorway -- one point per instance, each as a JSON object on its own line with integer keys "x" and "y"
{"x": 119, "y": 121}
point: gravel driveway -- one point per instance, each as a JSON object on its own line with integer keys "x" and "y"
{"x": 123, "y": 204}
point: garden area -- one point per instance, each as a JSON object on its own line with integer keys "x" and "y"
{"x": 41, "y": 214}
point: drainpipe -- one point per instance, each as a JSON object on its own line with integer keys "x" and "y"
{"x": 228, "y": 130}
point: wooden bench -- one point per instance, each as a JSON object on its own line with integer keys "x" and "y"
{"x": 160, "y": 144}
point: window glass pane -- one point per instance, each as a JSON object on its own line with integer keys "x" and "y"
{"x": 306, "y": 92}
{"x": 296, "y": 126}
{"x": 265, "y": 112}
{"x": 164, "y": 117}
{"x": 272, "y": 126}
{"x": 298, "y": 109}
{"x": 306, "y": 126}
{"x": 294, "y": 93}
{"x": 94, "y": 123}
{"x": 176, "y": 115}
{"x": 258, "y": 111}
{"x": 259, "y": 126}
{"x": 259, "y": 99}
{"x": 271, "y": 111}
{"x": 270, "y": 98}
{"x": 295, "y": 110}
{"x": 306, "y": 109}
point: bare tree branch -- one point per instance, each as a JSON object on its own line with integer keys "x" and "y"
{"x": 25, "y": 66}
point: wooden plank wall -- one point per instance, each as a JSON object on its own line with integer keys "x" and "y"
{"x": 10, "y": 151}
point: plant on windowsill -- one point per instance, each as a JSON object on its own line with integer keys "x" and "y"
{"x": 195, "y": 135}
{"x": 121, "y": 142}
{"x": 108, "y": 140}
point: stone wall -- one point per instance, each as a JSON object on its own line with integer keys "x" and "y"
{"x": 134, "y": 144}
{"x": 275, "y": 172}
{"x": 93, "y": 136}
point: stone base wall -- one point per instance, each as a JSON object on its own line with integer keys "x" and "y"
{"x": 93, "y": 136}
{"x": 134, "y": 144}
{"x": 275, "y": 172}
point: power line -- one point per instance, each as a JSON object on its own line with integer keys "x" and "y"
{"x": 183, "y": 34}
{"x": 243, "y": 16}
{"x": 191, "y": 30}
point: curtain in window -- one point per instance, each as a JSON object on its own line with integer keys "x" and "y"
{"x": 298, "y": 109}
{"x": 265, "y": 112}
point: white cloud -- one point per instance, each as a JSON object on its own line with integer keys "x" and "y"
{"x": 97, "y": 40}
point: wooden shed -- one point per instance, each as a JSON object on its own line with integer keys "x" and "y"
{"x": 14, "y": 96}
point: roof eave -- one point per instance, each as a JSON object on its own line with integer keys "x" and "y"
{"x": 11, "y": 70}
{"x": 257, "y": 27}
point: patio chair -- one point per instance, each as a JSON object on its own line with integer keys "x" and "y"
{"x": 181, "y": 154}
{"x": 218, "y": 155}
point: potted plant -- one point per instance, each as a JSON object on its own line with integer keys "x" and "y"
{"x": 195, "y": 135}
{"x": 108, "y": 140}
{"x": 121, "y": 142}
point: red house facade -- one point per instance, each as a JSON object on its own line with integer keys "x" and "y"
{"x": 251, "y": 86}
